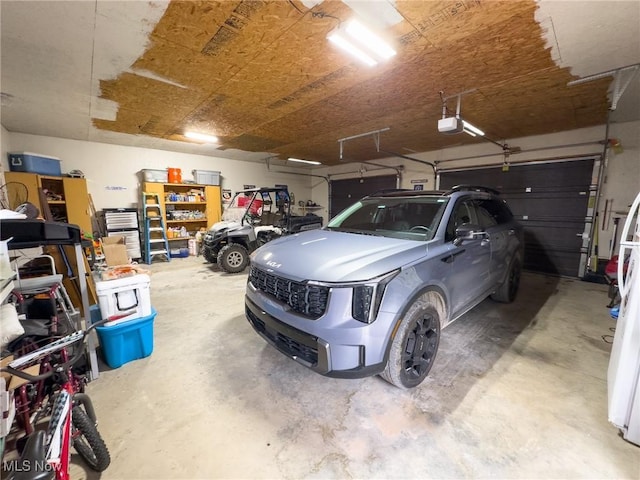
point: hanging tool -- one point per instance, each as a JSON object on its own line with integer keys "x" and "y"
{"x": 594, "y": 257}
{"x": 612, "y": 248}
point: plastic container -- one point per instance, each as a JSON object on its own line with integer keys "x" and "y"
{"x": 157, "y": 176}
{"x": 206, "y": 177}
{"x": 34, "y": 163}
{"x": 193, "y": 247}
{"x": 127, "y": 341}
{"x": 124, "y": 298}
{"x": 179, "y": 253}
{"x": 174, "y": 175}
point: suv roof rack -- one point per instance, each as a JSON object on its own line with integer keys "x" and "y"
{"x": 388, "y": 190}
{"x": 473, "y": 188}
{"x": 404, "y": 192}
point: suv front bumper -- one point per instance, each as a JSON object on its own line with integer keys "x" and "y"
{"x": 309, "y": 350}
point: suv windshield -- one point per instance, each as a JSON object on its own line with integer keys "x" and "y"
{"x": 409, "y": 217}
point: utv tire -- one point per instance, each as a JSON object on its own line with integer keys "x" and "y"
{"x": 506, "y": 293}
{"x": 210, "y": 255}
{"x": 415, "y": 345}
{"x": 233, "y": 258}
{"x": 88, "y": 442}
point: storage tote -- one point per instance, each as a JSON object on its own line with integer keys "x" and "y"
{"x": 34, "y": 163}
{"x": 157, "y": 176}
{"x": 124, "y": 298}
{"x": 127, "y": 341}
{"x": 206, "y": 177}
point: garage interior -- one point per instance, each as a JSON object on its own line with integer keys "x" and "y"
{"x": 111, "y": 90}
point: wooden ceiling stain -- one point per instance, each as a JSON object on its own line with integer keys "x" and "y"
{"x": 262, "y": 76}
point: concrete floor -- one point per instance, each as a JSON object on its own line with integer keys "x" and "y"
{"x": 517, "y": 391}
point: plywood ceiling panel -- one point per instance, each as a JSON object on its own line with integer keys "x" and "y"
{"x": 261, "y": 75}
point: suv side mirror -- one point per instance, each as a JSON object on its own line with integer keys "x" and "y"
{"x": 468, "y": 231}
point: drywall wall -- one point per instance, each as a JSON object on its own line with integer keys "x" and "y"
{"x": 112, "y": 170}
{"x": 4, "y": 141}
{"x": 621, "y": 182}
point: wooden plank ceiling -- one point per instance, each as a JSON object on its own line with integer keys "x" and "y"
{"x": 262, "y": 77}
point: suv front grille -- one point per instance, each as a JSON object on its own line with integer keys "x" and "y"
{"x": 310, "y": 300}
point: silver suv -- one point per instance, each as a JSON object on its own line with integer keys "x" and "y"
{"x": 369, "y": 293}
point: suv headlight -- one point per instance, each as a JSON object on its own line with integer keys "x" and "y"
{"x": 367, "y": 297}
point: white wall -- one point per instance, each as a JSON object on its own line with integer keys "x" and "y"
{"x": 109, "y": 166}
{"x": 4, "y": 142}
{"x": 112, "y": 170}
{"x": 621, "y": 177}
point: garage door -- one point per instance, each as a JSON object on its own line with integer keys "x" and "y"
{"x": 551, "y": 200}
{"x": 348, "y": 191}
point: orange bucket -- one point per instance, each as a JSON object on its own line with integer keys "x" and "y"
{"x": 174, "y": 175}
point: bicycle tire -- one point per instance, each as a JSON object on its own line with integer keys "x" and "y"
{"x": 89, "y": 444}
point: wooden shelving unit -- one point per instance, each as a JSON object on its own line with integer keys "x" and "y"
{"x": 206, "y": 205}
{"x": 71, "y": 204}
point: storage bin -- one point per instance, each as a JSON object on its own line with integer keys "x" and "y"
{"x": 34, "y": 163}
{"x": 206, "y": 177}
{"x": 179, "y": 252}
{"x": 127, "y": 341}
{"x": 125, "y": 298}
{"x": 174, "y": 175}
{"x": 157, "y": 176}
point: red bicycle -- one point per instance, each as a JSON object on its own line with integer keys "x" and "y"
{"x": 72, "y": 419}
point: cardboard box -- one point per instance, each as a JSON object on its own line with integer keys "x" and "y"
{"x": 8, "y": 383}
{"x": 11, "y": 381}
{"x": 115, "y": 250}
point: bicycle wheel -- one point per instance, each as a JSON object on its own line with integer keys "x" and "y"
{"x": 88, "y": 442}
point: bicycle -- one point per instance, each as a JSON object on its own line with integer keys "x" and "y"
{"x": 72, "y": 417}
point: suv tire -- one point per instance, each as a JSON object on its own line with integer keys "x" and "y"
{"x": 233, "y": 258}
{"x": 506, "y": 293}
{"x": 415, "y": 345}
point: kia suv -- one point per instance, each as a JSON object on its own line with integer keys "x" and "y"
{"x": 370, "y": 293}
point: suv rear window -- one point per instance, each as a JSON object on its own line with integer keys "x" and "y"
{"x": 412, "y": 218}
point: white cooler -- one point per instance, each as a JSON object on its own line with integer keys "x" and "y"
{"x": 124, "y": 299}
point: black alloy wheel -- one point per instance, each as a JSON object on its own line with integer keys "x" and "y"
{"x": 420, "y": 348}
{"x": 414, "y": 347}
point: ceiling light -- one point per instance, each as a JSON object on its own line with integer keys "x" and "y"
{"x": 299, "y": 160}
{"x": 203, "y": 137}
{"x": 338, "y": 40}
{"x": 476, "y": 130}
{"x": 369, "y": 40}
{"x": 361, "y": 42}
{"x": 469, "y": 132}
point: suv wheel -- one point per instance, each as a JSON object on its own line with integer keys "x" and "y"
{"x": 506, "y": 293}
{"x": 233, "y": 258}
{"x": 415, "y": 345}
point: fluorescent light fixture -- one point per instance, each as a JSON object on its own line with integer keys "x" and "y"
{"x": 362, "y": 43}
{"x": 369, "y": 40}
{"x": 299, "y": 160}
{"x": 468, "y": 132}
{"x": 203, "y": 137}
{"x": 470, "y": 128}
{"x": 338, "y": 40}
